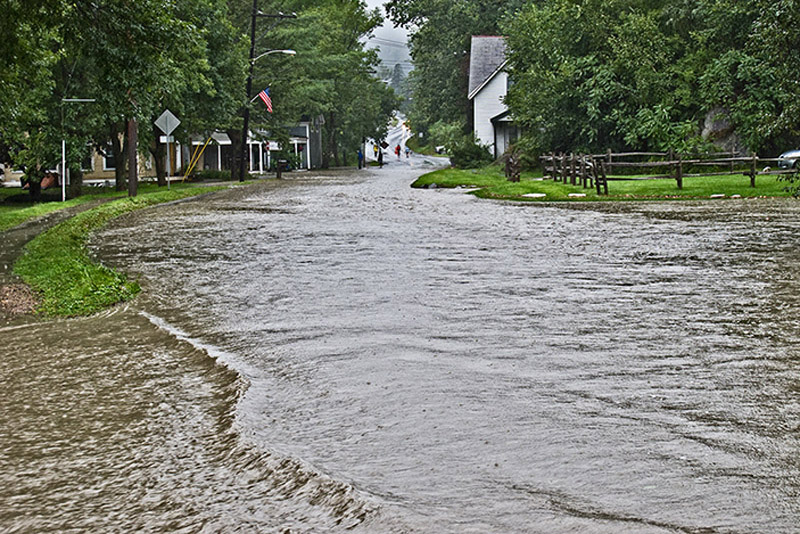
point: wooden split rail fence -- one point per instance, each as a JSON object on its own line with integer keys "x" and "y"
{"x": 596, "y": 170}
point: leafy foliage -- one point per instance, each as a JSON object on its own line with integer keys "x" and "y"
{"x": 644, "y": 74}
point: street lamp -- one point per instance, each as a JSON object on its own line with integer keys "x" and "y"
{"x": 288, "y": 52}
{"x": 64, "y": 144}
{"x": 245, "y": 129}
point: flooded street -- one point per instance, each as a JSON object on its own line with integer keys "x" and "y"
{"x": 345, "y": 353}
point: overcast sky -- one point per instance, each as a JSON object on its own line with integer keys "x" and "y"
{"x": 390, "y": 40}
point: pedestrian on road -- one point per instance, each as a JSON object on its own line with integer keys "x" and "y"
{"x": 380, "y": 158}
{"x": 375, "y": 150}
{"x": 408, "y": 151}
{"x": 397, "y": 151}
{"x": 360, "y": 159}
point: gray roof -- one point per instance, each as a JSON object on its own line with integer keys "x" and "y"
{"x": 487, "y": 53}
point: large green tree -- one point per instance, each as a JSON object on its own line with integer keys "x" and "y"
{"x": 331, "y": 79}
{"x": 646, "y": 74}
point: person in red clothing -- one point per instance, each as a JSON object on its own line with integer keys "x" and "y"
{"x": 397, "y": 151}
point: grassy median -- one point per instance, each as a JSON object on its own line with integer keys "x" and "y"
{"x": 16, "y": 206}
{"x": 57, "y": 266}
{"x": 490, "y": 182}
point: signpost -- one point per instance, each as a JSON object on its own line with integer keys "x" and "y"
{"x": 167, "y": 123}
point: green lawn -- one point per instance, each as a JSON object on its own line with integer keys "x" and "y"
{"x": 56, "y": 263}
{"x": 16, "y": 207}
{"x": 491, "y": 183}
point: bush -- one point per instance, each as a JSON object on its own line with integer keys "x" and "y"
{"x": 465, "y": 153}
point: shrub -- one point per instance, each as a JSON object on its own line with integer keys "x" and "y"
{"x": 465, "y": 153}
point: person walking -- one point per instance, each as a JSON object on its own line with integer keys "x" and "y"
{"x": 397, "y": 151}
{"x": 380, "y": 158}
{"x": 375, "y": 151}
{"x": 360, "y": 159}
{"x": 408, "y": 151}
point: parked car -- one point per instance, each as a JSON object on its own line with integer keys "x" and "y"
{"x": 789, "y": 160}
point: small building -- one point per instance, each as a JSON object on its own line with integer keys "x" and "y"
{"x": 492, "y": 123}
{"x": 304, "y": 142}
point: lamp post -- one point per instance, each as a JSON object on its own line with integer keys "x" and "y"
{"x": 64, "y": 145}
{"x": 245, "y": 129}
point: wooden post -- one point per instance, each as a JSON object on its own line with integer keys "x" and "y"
{"x": 753, "y": 166}
{"x": 557, "y": 167}
{"x": 582, "y": 169}
{"x": 671, "y": 157}
{"x": 553, "y": 166}
{"x": 572, "y": 172}
{"x": 597, "y": 170}
{"x": 679, "y": 173}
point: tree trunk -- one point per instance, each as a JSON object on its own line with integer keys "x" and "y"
{"x": 133, "y": 164}
{"x": 330, "y": 142}
{"x": 35, "y": 187}
{"x": 119, "y": 151}
{"x": 159, "y": 152}
{"x": 75, "y": 182}
{"x": 236, "y": 147}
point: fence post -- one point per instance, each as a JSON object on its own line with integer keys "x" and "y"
{"x": 753, "y": 166}
{"x": 582, "y": 169}
{"x": 679, "y": 173}
{"x": 572, "y": 173}
{"x": 557, "y": 167}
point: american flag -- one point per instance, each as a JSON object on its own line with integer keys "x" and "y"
{"x": 264, "y": 96}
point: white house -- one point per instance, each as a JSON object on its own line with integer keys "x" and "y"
{"x": 488, "y": 85}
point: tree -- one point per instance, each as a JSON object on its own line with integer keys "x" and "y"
{"x": 131, "y": 47}
{"x": 645, "y": 74}
{"x": 330, "y": 79}
{"x": 29, "y": 50}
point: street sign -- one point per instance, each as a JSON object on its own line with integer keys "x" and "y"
{"x": 167, "y": 122}
{"x": 167, "y": 139}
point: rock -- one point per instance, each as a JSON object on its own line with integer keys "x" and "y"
{"x": 577, "y": 195}
{"x": 534, "y": 195}
{"x": 718, "y": 129}
{"x": 718, "y": 195}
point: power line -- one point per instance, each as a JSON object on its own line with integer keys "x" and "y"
{"x": 389, "y": 42}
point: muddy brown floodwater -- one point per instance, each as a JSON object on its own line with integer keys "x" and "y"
{"x": 344, "y": 353}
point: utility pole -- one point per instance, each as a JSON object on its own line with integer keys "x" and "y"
{"x": 243, "y": 156}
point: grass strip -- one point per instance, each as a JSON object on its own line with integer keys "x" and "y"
{"x": 491, "y": 183}
{"x": 12, "y": 215}
{"x": 57, "y": 266}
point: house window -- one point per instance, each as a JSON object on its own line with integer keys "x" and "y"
{"x": 109, "y": 163}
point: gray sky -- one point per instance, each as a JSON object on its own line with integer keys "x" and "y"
{"x": 390, "y": 40}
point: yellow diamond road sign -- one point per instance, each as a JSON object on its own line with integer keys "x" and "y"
{"x": 167, "y": 122}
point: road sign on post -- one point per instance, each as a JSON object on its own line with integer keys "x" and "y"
{"x": 167, "y": 123}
